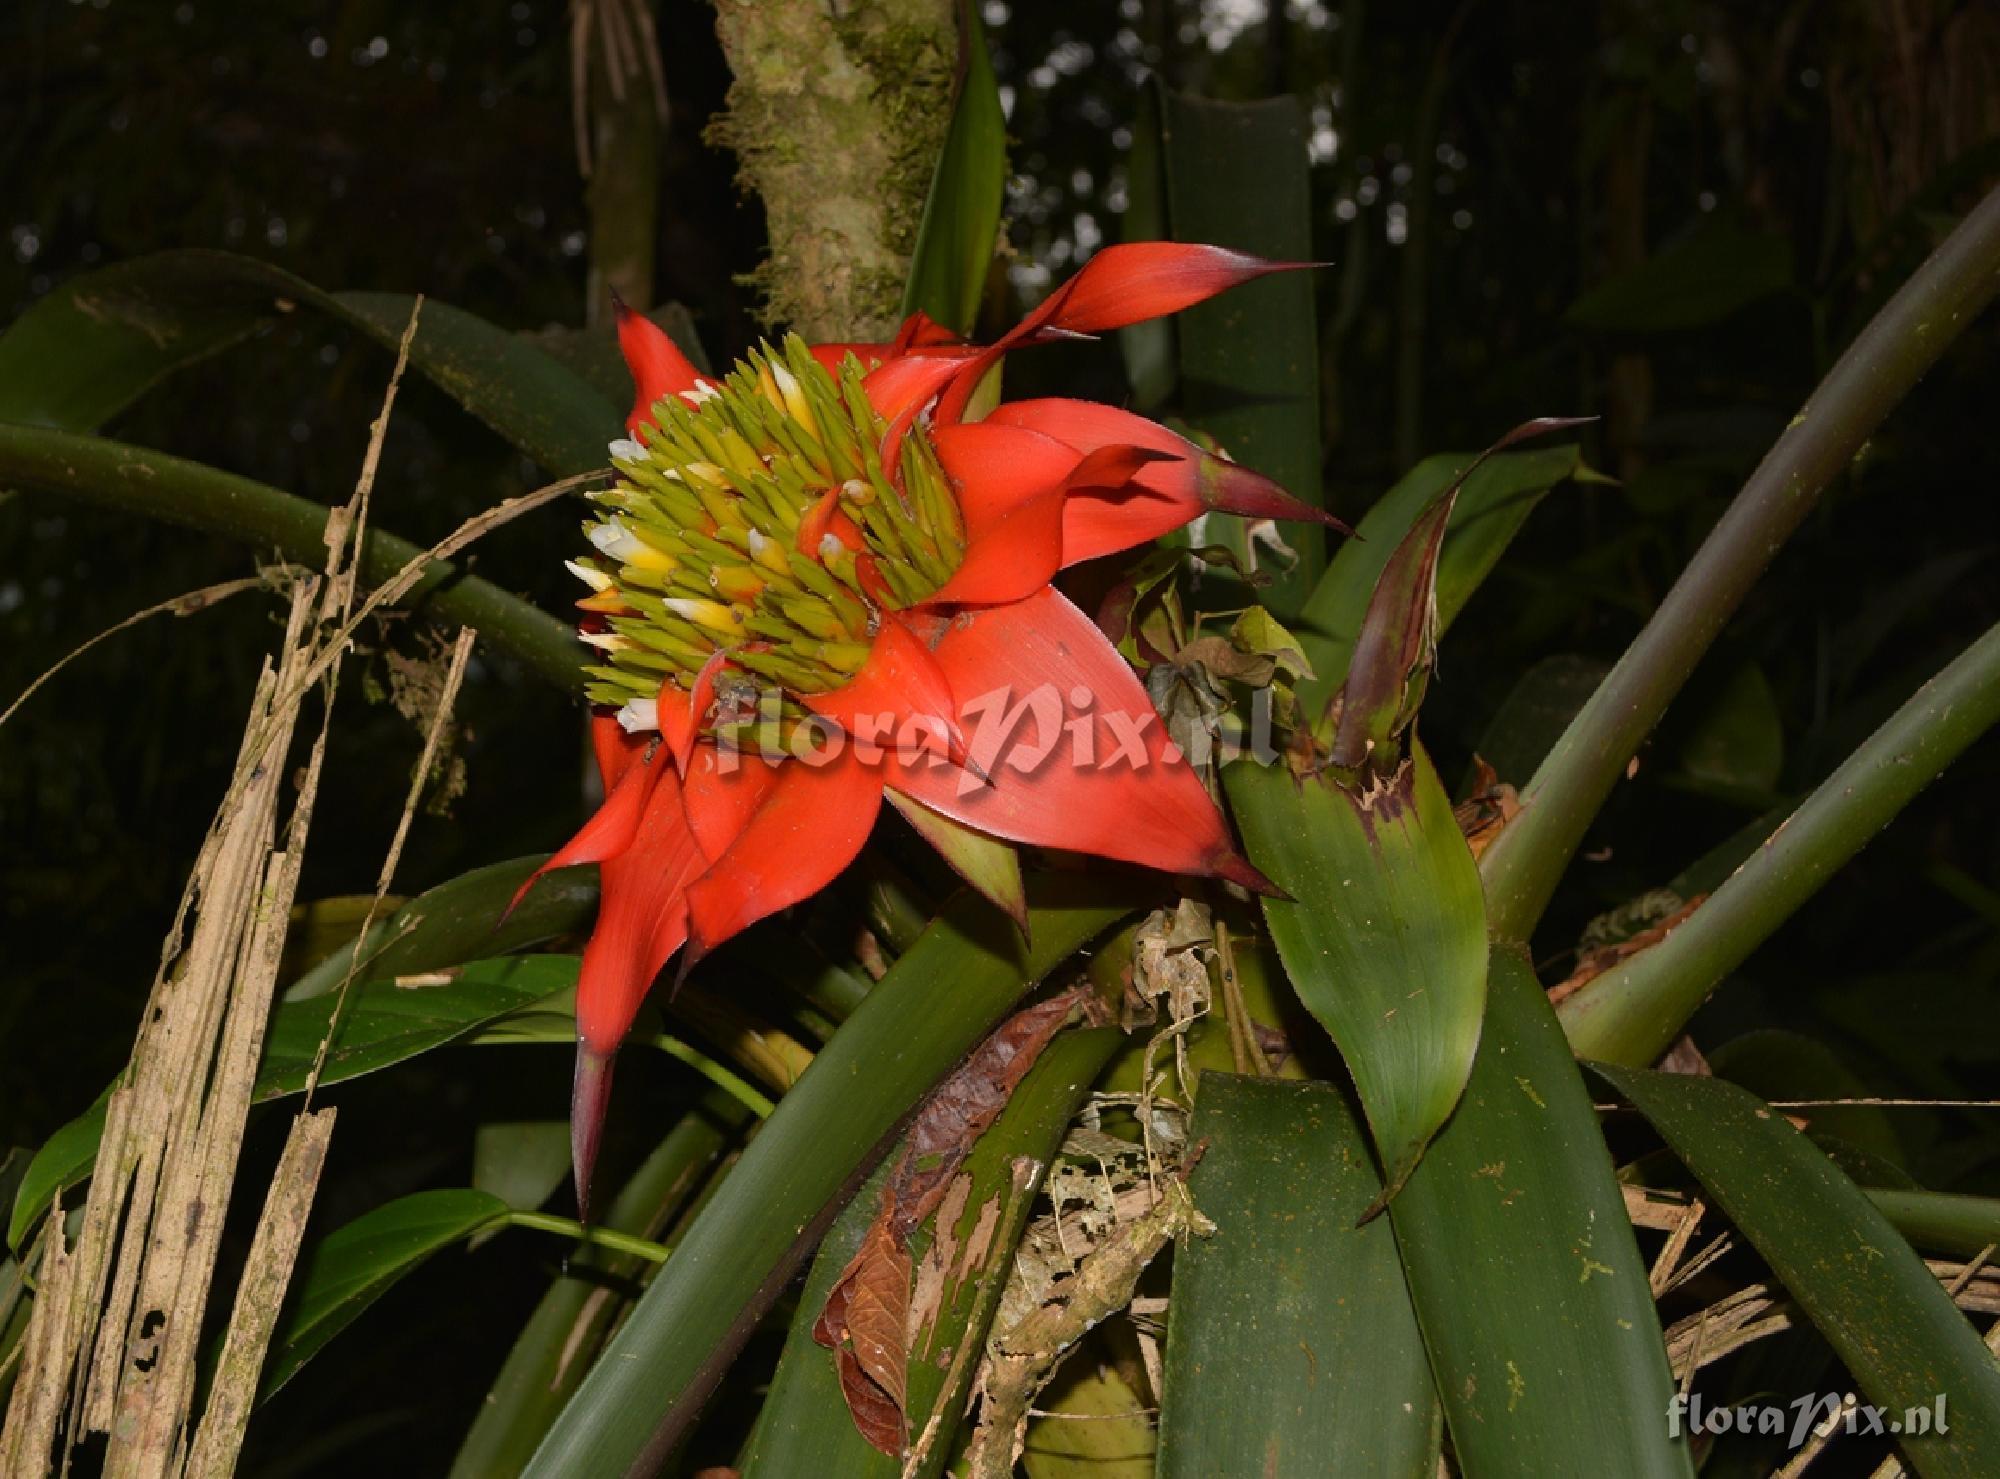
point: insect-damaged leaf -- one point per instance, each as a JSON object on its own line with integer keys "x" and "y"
{"x": 1384, "y": 938}
{"x": 866, "y": 1318}
{"x": 1397, "y": 644}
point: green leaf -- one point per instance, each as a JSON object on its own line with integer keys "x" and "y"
{"x": 1095, "y": 1427}
{"x": 1292, "y": 1346}
{"x": 1536, "y": 712}
{"x": 937, "y": 1001}
{"x": 158, "y": 486}
{"x": 382, "y": 1025}
{"x": 1522, "y": 1265}
{"x": 991, "y": 866}
{"x": 463, "y": 918}
{"x": 1943, "y": 1221}
{"x": 804, "y": 1427}
{"x": 1864, "y": 1289}
{"x": 1385, "y": 939}
{"x": 355, "y": 1265}
{"x": 99, "y": 341}
{"x": 594, "y": 1289}
{"x": 1710, "y": 273}
{"x": 1237, "y": 176}
{"x": 1492, "y": 505}
{"x": 961, "y": 221}
{"x": 1738, "y": 742}
{"x": 521, "y": 1162}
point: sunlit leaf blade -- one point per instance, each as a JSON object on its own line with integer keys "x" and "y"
{"x": 99, "y": 341}
{"x": 804, "y": 1427}
{"x": 382, "y": 1024}
{"x": 1237, "y": 176}
{"x": 1495, "y": 501}
{"x": 595, "y": 1287}
{"x": 353, "y": 1266}
{"x": 935, "y": 1003}
{"x": 1094, "y": 1426}
{"x": 1859, "y": 1282}
{"x": 155, "y": 485}
{"x": 1522, "y": 1265}
{"x": 962, "y": 213}
{"x": 1384, "y": 938}
{"x": 1292, "y": 1347}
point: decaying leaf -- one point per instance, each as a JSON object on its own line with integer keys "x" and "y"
{"x": 1594, "y": 962}
{"x": 866, "y": 1322}
{"x": 870, "y": 1316}
{"x": 1022, "y": 1353}
{"x": 1489, "y": 807}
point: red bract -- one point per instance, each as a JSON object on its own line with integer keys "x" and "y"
{"x": 818, "y": 582}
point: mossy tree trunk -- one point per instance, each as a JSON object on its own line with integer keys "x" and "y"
{"x": 837, "y": 113}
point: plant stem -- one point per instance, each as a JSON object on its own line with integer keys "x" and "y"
{"x": 160, "y": 486}
{"x": 1901, "y": 342}
{"x": 757, "y": 1103}
{"x": 603, "y": 1237}
{"x": 1631, "y": 1014}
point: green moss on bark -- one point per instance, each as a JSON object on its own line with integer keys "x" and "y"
{"x": 837, "y": 121}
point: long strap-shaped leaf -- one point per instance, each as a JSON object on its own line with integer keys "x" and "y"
{"x": 1523, "y": 1268}
{"x": 98, "y": 342}
{"x": 1866, "y": 1291}
{"x": 1292, "y": 1348}
{"x": 921, "y": 1018}
{"x": 804, "y": 1427}
{"x": 1631, "y": 1014}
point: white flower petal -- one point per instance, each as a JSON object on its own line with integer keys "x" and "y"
{"x": 625, "y": 449}
{"x": 639, "y": 715}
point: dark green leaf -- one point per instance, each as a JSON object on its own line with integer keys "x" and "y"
{"x": 521, "y": 1162}
{"x": 1386, "y": 940}
{"x": 962, "y": 213}
{"x": 1292, "y": 1347}
{"x": 1495, "y": 501}
{"x": 99, "y": 341}
{"x": 566, "y": 1330}
{"x": 1524, "y": 1271}
{"x": 1738, "y": 742}
{"x": 804, "y": 1427}
{"x": 935, "y": 1003}
{"x": 1237, "y": 176}
{"x": 352, "y": 1267}
{"x": 1533, "y": 716}
{"x": 382, "y": 1024}
{"x": 1705, "y": 276}
{"x": 1878, "y": 1306}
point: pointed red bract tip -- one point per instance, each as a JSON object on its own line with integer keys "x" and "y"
{"x": 590, "y": 1097}
{"x": 1235, "y": 868}
{"x": 658, "y": 367}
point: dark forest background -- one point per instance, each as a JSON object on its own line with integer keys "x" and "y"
{"x": 1672, "y": 215}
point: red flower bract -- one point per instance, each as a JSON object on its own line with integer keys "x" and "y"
{"x": 818, "y": 582}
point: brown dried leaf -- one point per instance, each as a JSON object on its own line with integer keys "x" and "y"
{"x": 871, "y": 1320}
{"x": 1594, "y": 963}
{"x": 1488, "y": 809}
{"x": 866, "y": 1324}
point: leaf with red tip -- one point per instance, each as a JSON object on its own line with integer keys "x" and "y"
{"x": 991, "y": 867}
{"x": 1078, "y": 758}
{"x": 809, "y": 828}
{"x": 658, "y": 367}
{"x": 1397, "y": 644}
{"x": 723, "y": 790}
{"x": 1134, "y": 281}
{"x": 1157, "y": 499}
{"x": 642, "y": 918}
{"x": 610, "y": 829}
{"x": 900, "y": 686}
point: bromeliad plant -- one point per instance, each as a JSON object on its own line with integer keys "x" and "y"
{"x": 1400, "y": 1210}
{"x": 825, "y": 535}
